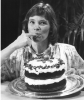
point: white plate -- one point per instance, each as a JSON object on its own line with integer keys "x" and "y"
{"x": 74, "y": 84}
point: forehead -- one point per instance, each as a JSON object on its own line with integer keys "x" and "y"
{"x": 38, "y": 18}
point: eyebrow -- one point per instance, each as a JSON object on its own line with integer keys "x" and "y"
{"x": 44, "y": 20}
{"x": 31, "y": 19}
{"x": 39, "y": 20}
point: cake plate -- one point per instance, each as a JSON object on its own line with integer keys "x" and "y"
{"x": 74, "y": 85}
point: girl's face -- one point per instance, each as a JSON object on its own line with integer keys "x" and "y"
{"x": 39, "y": 27}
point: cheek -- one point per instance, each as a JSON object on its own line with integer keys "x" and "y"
{"x": 30, "y": 28}
{"x": 46, "y": 31}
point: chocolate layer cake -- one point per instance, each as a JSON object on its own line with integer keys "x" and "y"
{"x": 45, "y": 75}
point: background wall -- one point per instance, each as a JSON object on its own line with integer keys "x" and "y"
{"x": 9, "y": 21}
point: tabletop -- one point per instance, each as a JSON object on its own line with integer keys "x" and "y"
{"x": 7, "y": 95}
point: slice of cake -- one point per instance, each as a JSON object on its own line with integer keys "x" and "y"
{"x": 45, "y": 75}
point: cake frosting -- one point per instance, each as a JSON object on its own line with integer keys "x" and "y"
{"x": 39, "y": 66}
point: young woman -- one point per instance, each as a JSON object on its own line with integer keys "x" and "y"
{"x": 39, "y": 39}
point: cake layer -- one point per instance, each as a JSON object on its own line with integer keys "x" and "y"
{"x": 43, "y": 82}
{"x": 47, "y": 88}
{"x": 48, "y": 75}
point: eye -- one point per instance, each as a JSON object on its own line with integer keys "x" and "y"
{"x": 32, "y": 22}
{"x": 43, "y": 23}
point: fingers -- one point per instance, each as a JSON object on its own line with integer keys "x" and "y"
{"x": 23, "y": 31}
{"x": 28, "y": 35}
{"x": 24, "y": 34}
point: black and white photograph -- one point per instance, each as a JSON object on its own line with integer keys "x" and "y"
{"x": 42, "y": 49}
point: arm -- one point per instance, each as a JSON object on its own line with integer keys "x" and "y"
{"x": 75, "y": 63}
{"x": 20, "y": 42}
{"x": 8, "y": 70}
{"x": 5, "y": 53}
{"x": 78, "y": 63}
{"x": 11, "y": 67}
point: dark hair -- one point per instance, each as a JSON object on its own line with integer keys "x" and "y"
{"x": 45, "y": 10}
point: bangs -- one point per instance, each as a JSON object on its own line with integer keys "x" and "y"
{"x": 39, "y": 11}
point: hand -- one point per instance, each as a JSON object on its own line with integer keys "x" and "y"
{"x": 22, "y": 40}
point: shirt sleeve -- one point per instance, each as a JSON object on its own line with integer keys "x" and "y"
{"x": 11, "y": 67}
{"x": 75, "y": 61}
{"x": 78, "y": 63}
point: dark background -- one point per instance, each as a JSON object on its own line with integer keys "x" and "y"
{"x": 67, "y": 12}
{"x": 9, "y": 21}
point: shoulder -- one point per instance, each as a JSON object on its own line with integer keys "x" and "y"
{"x": 66, "y": 49}
{"x": 64, "y": 46}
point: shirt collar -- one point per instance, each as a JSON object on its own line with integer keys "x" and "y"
{"x": 31, "y": 50}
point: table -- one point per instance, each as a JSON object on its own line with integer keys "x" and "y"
{"x": 6, "y": 95}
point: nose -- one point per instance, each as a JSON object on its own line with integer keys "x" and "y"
{"x": 37, "y": 27}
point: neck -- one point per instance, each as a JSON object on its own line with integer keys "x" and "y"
{"x": 40, "y": 47}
